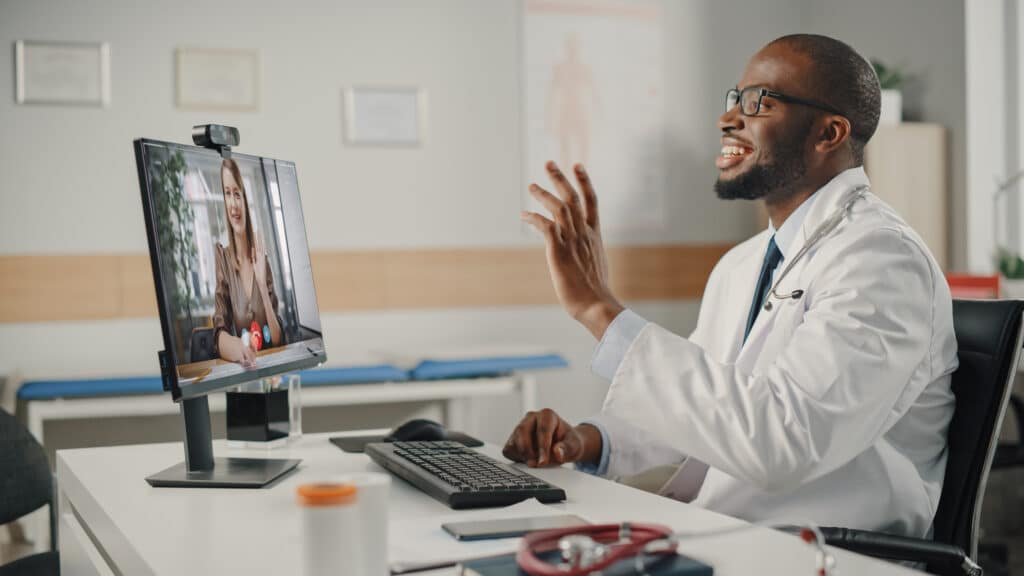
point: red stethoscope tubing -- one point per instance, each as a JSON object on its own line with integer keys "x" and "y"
{"x": 640, "y": 536}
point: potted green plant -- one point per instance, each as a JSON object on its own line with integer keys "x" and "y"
{"x": 891, "y": 81}
{"x": 175, "y": 234}
{"x": 1008, "y": 260}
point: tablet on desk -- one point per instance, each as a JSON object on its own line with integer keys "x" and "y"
{"x": 509, "y": 527}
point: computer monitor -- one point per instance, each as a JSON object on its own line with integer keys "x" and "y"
{"x": 233, "y": 282}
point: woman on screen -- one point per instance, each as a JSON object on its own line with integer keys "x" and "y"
{"x": 245, "y": 308}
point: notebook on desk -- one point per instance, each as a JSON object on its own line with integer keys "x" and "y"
{"x": 677, "y": 565}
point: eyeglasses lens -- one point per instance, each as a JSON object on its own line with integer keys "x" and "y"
{"x": 750, "y": 102}
{"x": 747, "y": 99}
{"x": 732, "y": 97}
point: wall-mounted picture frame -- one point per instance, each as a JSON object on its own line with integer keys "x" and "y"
{"x": 385, "y": 116}
{"x": 62, "y": 73}
{"x": 217, "y": 79}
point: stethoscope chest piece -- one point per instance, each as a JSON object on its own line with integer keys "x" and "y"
{"x": 794, "y": 295}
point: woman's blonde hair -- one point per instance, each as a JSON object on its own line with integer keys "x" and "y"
{"x": 231, "y": 166}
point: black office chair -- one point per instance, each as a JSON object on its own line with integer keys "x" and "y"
{"x": 26, "y": 484}
{"x": 988, "y": 333}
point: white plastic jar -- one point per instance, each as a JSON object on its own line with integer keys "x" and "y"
{"x": 373, "y": 519}
{"x": 330, "y": 530}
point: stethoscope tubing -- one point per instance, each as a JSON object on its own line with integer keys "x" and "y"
{"x": 634, "y": 539}
{"x": 823, "y": 230}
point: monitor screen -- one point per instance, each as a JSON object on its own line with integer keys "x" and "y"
{"x": 231, "y": 266}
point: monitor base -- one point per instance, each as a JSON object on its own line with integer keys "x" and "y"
{"x": 226, "y": 473}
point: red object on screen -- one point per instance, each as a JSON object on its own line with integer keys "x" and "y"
{"x": 972, "y": 286}
{"x": 257, "y": 341}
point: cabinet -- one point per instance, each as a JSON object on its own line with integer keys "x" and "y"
{"x": 908, "y": 167}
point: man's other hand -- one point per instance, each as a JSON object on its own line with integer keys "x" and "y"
{"x": 575, "y": 251}
{"x": 544, "y": 439}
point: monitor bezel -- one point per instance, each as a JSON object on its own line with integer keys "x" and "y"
{"x": 169, "y": 372}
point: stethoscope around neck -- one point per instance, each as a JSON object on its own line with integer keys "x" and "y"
{"x": 819, "y": 234}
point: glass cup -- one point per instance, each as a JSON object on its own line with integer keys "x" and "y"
{"x": 294, "y": 406}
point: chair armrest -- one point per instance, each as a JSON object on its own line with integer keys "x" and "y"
{"x": 943, "y": 559}
{"x": 1017, "y": 404}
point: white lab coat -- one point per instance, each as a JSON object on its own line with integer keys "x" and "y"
{"x": 836, "y": 408}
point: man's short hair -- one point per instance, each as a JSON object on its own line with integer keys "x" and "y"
{"x": 844, "y": 79}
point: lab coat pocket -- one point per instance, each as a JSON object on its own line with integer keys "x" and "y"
{"x": 787, "y": 315}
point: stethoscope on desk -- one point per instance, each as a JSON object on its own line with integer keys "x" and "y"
{"x": 823, "y": 230}
{"x": 592, "y": 549}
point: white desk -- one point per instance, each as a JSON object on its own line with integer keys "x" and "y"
{"x": 456, "y": 395}
{"x": 112, "y": 522}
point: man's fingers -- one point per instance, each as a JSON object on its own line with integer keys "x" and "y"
{"x": 568, "y": 194}
{"x": 517, "y": 450}
{"x": 589, "y": 196}
{"x": 510, "y": 450}
{"x": 559, "y": 210}
{"x": 546, "y": 227}
{"x": 525, "y": 439}
{"x": 568, "y": 448}
{"x": 547, "y": 424}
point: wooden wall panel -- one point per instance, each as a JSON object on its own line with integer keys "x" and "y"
{"x": 41, "y": 288}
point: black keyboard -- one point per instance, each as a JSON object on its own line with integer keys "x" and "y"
{"x": 460, "y": 477}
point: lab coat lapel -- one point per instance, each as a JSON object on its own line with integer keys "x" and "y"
{"x": 827, "y": 202}
{"x": 829, "y": 198}
{"x": 741, "y": 283}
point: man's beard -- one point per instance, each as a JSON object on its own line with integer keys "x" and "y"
{"x": 786, "y": 167}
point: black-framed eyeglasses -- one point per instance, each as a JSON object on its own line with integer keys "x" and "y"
{"x": 750, "y": 97}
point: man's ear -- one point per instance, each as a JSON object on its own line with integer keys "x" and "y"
{"x": 834, "y": 133}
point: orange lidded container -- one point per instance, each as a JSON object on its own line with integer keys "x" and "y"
{"x": 326, "y": 494}
{"x": 331, "y": 541}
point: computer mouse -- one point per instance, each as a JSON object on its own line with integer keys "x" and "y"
{"x": 419, "y": 429}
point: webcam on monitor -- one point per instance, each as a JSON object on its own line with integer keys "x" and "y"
{"x": 215, "y": 136}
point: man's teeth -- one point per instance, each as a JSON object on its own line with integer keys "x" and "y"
{"x": 733, "y": 151}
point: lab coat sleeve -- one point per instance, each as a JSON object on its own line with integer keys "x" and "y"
{"x": 832, "y": 391}
{"x": 630, "y": 449}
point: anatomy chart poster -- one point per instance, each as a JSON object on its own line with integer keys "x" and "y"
{"x": 592, "y": 77}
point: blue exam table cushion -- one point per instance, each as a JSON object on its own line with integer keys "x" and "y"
{"x": 426, "y": 370}
{"x": 443, "y": 369}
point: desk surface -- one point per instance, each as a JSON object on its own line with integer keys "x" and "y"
{"x": 145, "y": 530}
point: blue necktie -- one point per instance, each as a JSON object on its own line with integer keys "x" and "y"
{"x": 772, "y": 257}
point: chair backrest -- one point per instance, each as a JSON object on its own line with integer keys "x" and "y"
{"x": 988, "y": 334}
{"x": 25, "y": 479}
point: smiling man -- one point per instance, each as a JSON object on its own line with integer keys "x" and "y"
{"x": 816, "y": 385}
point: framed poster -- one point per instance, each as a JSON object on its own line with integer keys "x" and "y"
{"x": 593, "y": 86}
{"x": 385, "y": 116}
{"x": 74, "y": 73}
{"x": 220, "y": 79}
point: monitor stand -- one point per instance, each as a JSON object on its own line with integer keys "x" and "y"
{"x": 201, "y": 470}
